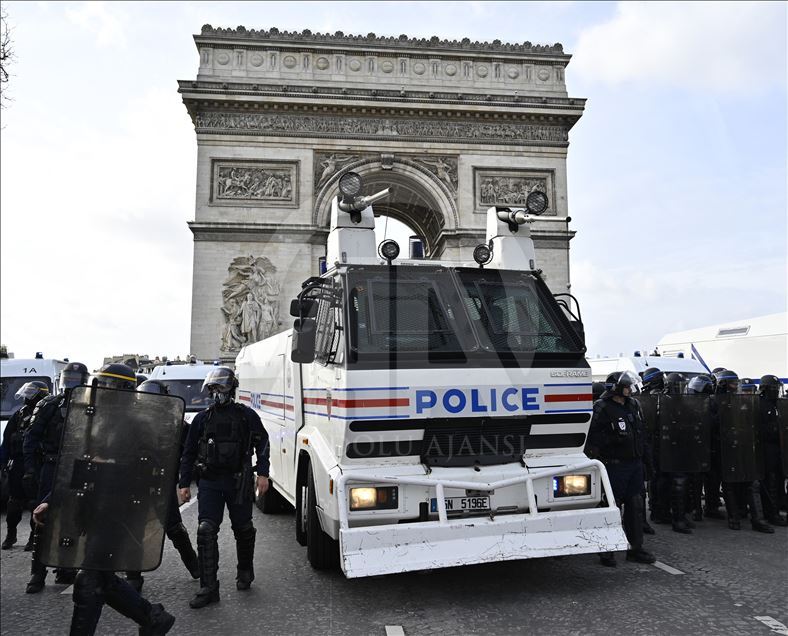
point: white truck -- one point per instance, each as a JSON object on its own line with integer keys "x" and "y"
{"x": 426, "y": 414}
{"x": 185, "y": 381}
{"x": 684, "y": 366}
{"x": 14, "y": 372}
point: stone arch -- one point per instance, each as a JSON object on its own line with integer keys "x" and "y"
{"x": 418, "y": 198}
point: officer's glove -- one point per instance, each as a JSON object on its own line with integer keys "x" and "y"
{"x": 29, "y": 485}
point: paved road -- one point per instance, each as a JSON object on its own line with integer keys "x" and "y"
{"x": 728, "y": 579}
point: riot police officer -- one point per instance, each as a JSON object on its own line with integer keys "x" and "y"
{"x": 220, "y": 442}
{"x": 94, "y": 588}
{"x": 174, "y": 528}
{"x": 13, "y": 437}
{"x": 40, "y": 448}
{"x": 658, "y": 490}
{"x": 701, "y": 386}
{"x": 617, "y": 437}
{"x": 712, "y": 482}
{"x": 769, "y": 427}
{"x": 739, "y": 492}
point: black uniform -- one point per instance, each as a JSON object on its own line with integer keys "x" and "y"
{"x": 769, "y": 428}
{"x": 617, "y": 437}
{"x": 40, "y": 448}
{"x": 220, "y": 443}
{"x": 13, "y": 436}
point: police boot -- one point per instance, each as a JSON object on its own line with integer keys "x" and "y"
{"x": 37, "y": 570}
{"x": 120, "y": 596}
{"x": 677, "y": 503}
{"x": 30, "y": 542}
{"x": 136, "y": 580}
{"x": 731, "y": 505}
{"x": 608, "y": 559}
{"x": 208, "y": 551}
{"x": 759, "y": 524}
{"x": 181, "y": 542}
{"x": 634, "y": 531}
{"x": 88, "y": 597}
{"x": 244, "y": 546}
{"x": 12, "y": 519}
{"x": 771, "y": 495}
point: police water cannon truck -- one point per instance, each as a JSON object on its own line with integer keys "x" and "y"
{"x": 426, "y": 414}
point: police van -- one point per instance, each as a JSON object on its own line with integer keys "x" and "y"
{"x": 687, "y": 368}
{"x": 425, "y": 414}
{"x": 185, "y": 381}
{"x": 14, "y": 372}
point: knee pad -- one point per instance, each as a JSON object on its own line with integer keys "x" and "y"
{"x": 207, "y": 529}
{"x": 88, "y": 587}
{"x": 245, "y": 529}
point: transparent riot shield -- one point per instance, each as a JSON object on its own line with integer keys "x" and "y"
{"x": 782, "y": 422}
{"x": 114, "y": 480}
{"x": 741, "y": 456}
{"x": 684, "y": 433}
{"x": 648, "y": 407}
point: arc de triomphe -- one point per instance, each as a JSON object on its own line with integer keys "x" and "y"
{"x": 452, "y": 126}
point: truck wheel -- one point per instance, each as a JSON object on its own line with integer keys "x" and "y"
{"x": 321, "y": 550}
{"x": 300, "y": 513}
{"x": 271, "y": 502}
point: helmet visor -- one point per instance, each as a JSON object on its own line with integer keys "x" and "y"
{"x": 70, "y": 379}
{"x": 28, "y": 391}
{"x": 630, "y": 380}
{"x": 221, "y": 380}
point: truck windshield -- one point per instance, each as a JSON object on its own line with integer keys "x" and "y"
{"x": 8, "y": 388}
{"x": 434, "y": 314}
{"x": 191, "y": 392}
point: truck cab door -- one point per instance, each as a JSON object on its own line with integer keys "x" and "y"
{"x": 293, "y": 417}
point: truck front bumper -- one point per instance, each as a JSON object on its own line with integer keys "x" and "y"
{"x": 404, "y": 547}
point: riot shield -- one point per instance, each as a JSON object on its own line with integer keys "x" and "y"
{"x": 782, "y": 422}
{"x": 114, "y": 481}
{"x": 741, "y": 456}
{"x": 648, "y": 407}
{"x": 684, "y": 433}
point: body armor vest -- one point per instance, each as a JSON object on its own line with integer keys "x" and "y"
{"x": 225, "y": 440}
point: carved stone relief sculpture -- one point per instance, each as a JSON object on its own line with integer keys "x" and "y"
{"x": 445, "y": 168}
{"x": 250, "y": 302}
{"x": 326, "y": 166}
{"x": 506, "y": 188}
{"x": 261, "y": 183}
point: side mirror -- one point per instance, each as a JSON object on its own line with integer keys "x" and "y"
{"x": 304, "y": 341}
{"x": 306, "y": 307}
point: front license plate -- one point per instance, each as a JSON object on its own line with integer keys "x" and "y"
{"x": 462, "y": 504}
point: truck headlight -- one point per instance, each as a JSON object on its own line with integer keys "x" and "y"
{"x": 571, "y": 485}
{"x": 368, "y": 498}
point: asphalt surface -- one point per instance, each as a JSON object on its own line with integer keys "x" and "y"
{"x": 726, "y": 580}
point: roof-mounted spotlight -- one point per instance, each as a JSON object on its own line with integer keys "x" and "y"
{"x": 388, "y": 250}
{"x": 350, "y": 186}
{"x": 482, "y": 254}
{"x": 536, "y": 203}
{"x": 351, "y": 201}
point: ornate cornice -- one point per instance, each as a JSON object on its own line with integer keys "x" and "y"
{"x": 372, "y": 40}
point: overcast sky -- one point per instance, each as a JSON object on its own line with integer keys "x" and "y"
{"x": 677, "y": 169}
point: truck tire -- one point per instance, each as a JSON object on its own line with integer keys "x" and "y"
{"x": 271, "y": 502}
{"x": 300, "y": 513}
{"x": 321, "y": 550}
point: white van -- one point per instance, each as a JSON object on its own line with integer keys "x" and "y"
{"x": 185, "y": 381}
{"x": 686, "y": 367}
{"x": 14, "y": 372}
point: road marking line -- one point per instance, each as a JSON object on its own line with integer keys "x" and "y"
{"x": 666, "y": 568}
{"x": 187, "y": 504}
{"x": 68, "y": 590}
{"x": 773, "y": 624}
{"x": 394, "y": 630}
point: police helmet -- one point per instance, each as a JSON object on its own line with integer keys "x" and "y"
{"x": 116, "y": 376}
{"x": 653, "y": 379}
{"x": 140, "y": 378}
{"x": 597, "y": 389}
{"x": 674, "y": 383}
{"x": 73, "y": 374}
{"x": 32, "y": 391}
{"x": 220, "y": 380}
{"x": 716, "y": 370}
{"x": 727, "y": 381}
{"x": 771, "y": 386}
{"x": 748, "y": 386}
{"x": 701, "y": 384}
{"x": 153, "y": 386}
{"x": 617, "y": 381}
